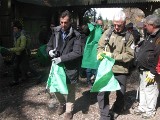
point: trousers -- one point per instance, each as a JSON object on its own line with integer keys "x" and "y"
{"x": 103, "y": 99}
{"x": 148, "y": 93}
{"x": 69, "y": 99}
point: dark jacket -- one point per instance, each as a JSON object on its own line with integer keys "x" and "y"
{"x": 149, "y": 52}
{"x": 70, "y": 51}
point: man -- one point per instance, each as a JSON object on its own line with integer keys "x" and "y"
{"x": 122, "y": 51}
{"x": 21, "y": 52}
{"x": 147, "y": 62}
{"x": 65, "y": 47}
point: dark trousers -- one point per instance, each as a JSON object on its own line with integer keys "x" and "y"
{"x": 89, "y": 73}
{"x": 21, "y": 65}
{"x": 103, "y": 99}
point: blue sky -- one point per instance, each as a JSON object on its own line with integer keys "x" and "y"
{"x": 107, "y": 12}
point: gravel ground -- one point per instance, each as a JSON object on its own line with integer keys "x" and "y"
{"x": 29, "y": 101}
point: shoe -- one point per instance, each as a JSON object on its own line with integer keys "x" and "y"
{"x": 68, "y": 116}
{"x": 148, "y": 115}
{"x": 138, "y": 112}
{"x": 61, "y": 109}
{"x": 114, "y": 116}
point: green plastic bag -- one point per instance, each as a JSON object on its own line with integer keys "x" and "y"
{"x": 105, "y": 80}
{"x": 42, "y": 56}
{"x": 57, "y": 79}
{"x": 90, "y": 51}
{"x": 3, "y": 50}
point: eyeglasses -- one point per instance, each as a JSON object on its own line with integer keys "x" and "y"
{"x": 117, "y": 25}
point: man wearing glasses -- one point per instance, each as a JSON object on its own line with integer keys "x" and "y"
{"x": 122, "y": 51}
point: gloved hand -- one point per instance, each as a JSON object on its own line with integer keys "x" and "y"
{"x": 52, "y": 53}
{"x": 150, "y": 77}
{"x": 56, "y": 60}
{"x": 100, "y": 57}
{"x": 108, "y": 54}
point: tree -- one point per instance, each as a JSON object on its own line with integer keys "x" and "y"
{"x": 134, "y": 15}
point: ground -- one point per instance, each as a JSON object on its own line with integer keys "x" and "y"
{"x": 29, "y": 100}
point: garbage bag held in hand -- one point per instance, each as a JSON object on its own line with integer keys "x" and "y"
{"x": 42, "y": 56}
{"x": 57, "y": 79}
{"x": 90, "y": 51}
{"x": 4, "y": 50}
{"x": 105, "y": 80}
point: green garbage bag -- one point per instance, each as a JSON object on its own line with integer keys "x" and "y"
{"x": 42, "y": 56}
{"x": 57, "y": 79}
{"x": 90, "y": 51}
{"x": 3, "y": 50}
{"x": 105, "y": 80}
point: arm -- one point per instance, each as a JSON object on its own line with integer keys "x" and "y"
{"x": 50, "y": 44}
{"x": 21, "y": 46}
{"x": 102, "y": 42}
{"x": 75, "y": 53}
{"x": 128, "y": 55}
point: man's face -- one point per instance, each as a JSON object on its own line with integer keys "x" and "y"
{"x": 15, "y": 29}
{"x": 100, "y": 22}
{"x": 149, "y": 28}
{"x": 118, "y": 25}
{"x": 65, "y": 23}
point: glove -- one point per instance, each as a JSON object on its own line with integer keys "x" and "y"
{"x": 100, "y": 57}
{"x": 150, "y": 77}
{"x": 56, "y": 60}
{"x": 52, "y": 53}
{"x": 108, "y": 54}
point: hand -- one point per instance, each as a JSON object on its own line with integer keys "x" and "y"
{"x": 52, "y": 53}
{"x": 108, "y": 54}
{"x": 56, "y": 60}
{"x": 100, "y": 57}
{"x": 150, "y": 77}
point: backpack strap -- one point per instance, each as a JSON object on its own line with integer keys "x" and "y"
{"x": 108, "y": 35}
{"x": 127, "y": 36}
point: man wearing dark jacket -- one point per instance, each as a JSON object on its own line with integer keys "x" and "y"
{"x": 147, "y": 62}
{"x": 65, "y": 47}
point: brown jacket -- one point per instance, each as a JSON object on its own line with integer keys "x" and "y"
{"x": 122, "y": 50}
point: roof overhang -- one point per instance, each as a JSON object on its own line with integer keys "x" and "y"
{"x": 57, "y": 3}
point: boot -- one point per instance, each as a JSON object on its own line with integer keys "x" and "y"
{"x": 61, "y": 109}
{"x": 68, "y": 116}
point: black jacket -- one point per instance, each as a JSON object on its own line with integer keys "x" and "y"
{"x": 149, "y": 52}
{"x": 70, "y": 51}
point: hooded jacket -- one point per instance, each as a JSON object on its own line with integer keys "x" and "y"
{"x": 70, "y": 50}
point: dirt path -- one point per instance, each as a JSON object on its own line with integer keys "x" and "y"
{"x": 28, "y": 101}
